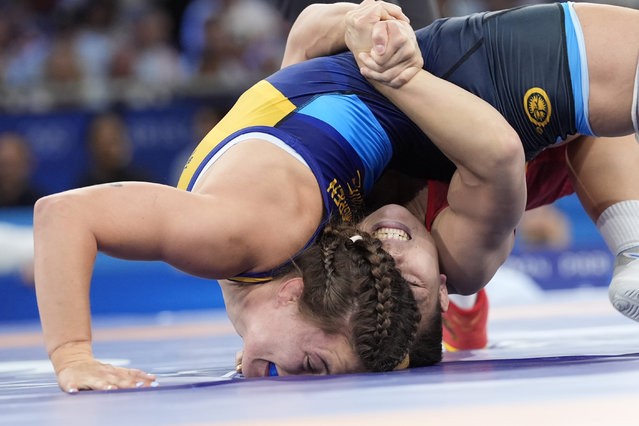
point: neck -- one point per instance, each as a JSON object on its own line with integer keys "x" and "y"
{"x": 419, "y": 203}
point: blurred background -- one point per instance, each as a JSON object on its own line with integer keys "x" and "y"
{"x": 95, "y": 91}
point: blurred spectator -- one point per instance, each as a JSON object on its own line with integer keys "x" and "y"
{"x": 111, "y": 152}
{"x": 98, "y": 53}
{"x": 158, "y": 62}
{"x": 148, "y": 58}
{"x": 63, "y": 76}
{"x": 122, "y": 63}
{"x": 15, "y": 172}
{"x": 240, "y": 42}
{"x": 220, "y": 62}
{"x": 193, "y": 28}
{"x": 6, "y": 34}
{"x": 260, "y": 31}
{"x": 26, "y": 50}
{"x": 545, "y": 227}
{"x": 97, "y": 34}
{"x": 203, "y": 121}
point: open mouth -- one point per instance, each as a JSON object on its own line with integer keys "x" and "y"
{"x": 386, "y": 233}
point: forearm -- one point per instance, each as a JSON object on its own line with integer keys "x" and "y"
{"x": 488, "y": 191}
{"x": 129, "y": 220}
{"x": 469, "y": 256}
{"x": 489, "y": 186}
{"x": 318, "y": 31}
{"x": 65, "y": 251}
{"x": 469, "y": 131}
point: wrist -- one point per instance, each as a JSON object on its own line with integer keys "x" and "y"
{"x": 70, "y": 353}
{"x": 391, "y": 88}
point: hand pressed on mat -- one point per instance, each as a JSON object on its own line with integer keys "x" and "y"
{"x": 77, "y": 369}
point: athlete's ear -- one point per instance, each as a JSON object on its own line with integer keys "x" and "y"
{"x": 291, "y": 290}
{"x": 443, "y": 293}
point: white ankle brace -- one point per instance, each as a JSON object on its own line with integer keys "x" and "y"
{"x": 619, "y": 226}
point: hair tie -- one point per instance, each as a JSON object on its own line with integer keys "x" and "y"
{"x": 404, "y": 364}
{"x": 356, "y": 238}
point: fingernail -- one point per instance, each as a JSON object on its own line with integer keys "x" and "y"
{"x": 155, "y": 384}
{"x": 139, "y": 384}
{"x": 72, "y": 390}
{"x": 379, "y": 48}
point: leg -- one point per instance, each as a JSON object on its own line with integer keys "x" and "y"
{"x": 603, "y": 171}
{"x": 604, "y": 177}
{"x": 611, "y": 37}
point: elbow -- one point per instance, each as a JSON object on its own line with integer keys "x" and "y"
{"x": 311, "y": 10}
{"x": 42, "y": 210}
{"x": 305, "y": 19}
{"x": 49, "y": 210}
{"x": 301, "y": 35}
{"x": 296, "y": 42}
{"x": 511, "y": 150}
{"x": 507, "y": 157}
{"x": 44, "y": 206}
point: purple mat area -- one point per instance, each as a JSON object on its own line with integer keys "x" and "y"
{"x": 559, "y": 354}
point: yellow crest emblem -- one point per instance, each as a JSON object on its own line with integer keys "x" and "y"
{"x": 537, "y": 106}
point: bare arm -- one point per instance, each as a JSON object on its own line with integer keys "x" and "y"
{"x": 488, "y": 191}
{"x": 131, "y": 221}
{"x": 319, "y": 29}
{"x": 205, "y": 235}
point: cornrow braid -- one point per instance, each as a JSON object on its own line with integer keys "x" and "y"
{"x": 427, "y": 348}
{"x": 354, "y": 288}
{"x": 380, "y": 337}
{"x": 328, "y": 249}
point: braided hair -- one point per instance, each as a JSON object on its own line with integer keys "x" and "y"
{"x": 427, "y": 348}
{"x": 352, "y": 285}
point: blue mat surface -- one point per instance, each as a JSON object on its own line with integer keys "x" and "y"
{"x": 567, "y": 358}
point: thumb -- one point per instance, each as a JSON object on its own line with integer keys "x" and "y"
{"x": 380, "y": 37}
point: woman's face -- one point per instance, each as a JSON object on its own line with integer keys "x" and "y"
{"x": 406, "y": 239}
{"x": 295, "y": 346}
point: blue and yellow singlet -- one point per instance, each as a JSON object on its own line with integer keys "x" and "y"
{"x": 328, "y": 116}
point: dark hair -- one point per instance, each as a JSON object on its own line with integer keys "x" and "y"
{"x": 354, "y": 287}
{"x": 427, "y": 348}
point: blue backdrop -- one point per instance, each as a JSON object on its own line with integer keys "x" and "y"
{"x": 159, "y": 136}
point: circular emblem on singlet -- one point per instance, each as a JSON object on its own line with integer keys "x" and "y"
{"x": 537, "y": 106}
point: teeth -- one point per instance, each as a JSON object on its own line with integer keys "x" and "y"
{"x": 391, "y": 234}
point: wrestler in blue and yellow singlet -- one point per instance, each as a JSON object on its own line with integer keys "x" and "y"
{"x": 327, "y": 115}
